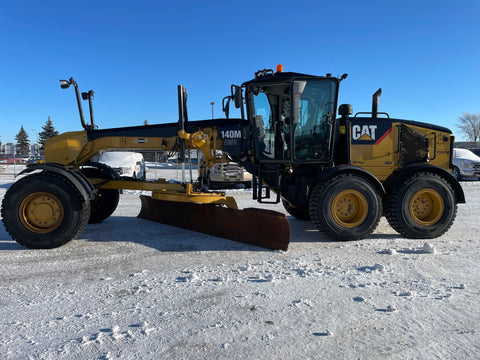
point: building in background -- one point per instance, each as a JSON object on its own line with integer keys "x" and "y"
{"x": 9, "y": 148}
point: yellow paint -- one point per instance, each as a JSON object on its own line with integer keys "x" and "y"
{"x": 383, "y": 158}
{"x": 65, "y": 148}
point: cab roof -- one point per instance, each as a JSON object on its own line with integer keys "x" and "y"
{"x": 268, "y": 75}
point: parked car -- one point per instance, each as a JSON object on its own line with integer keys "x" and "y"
{"x": 465, "y": 164}
{"x": 476, "y": 151}
{"x": 125, "y": 163}
{"x": 223, "y": 175}
{"x": 33, "y": 159}
{"x": 14, "y": 160}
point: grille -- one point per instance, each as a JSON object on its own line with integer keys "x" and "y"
{"x": 476, "y": 168}
{"x": 119, "y": 171}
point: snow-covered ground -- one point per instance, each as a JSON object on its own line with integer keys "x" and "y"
{"x": 133, "y": 289}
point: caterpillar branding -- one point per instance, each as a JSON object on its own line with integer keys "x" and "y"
{"x": 370, "y": 133}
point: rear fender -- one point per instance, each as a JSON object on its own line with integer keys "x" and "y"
{"x": 351, "y": 169}
{"x": 299, "y": 192}
{"x": 399, "y": 175}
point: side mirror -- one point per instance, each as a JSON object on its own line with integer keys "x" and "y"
{"x": 237, "y": 95}
{"x": 298, "y": 88}
{"x": 226, "y": 105}
{"x": 64, "y": 84}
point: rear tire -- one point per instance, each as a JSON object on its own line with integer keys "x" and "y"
{"x": 345, "y": 207}
{"x": 105, "y": 201}
{"x": 422, "y": 207}
{"x": 44, "y": 211}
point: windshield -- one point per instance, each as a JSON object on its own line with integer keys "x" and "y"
{"x": 313, "y": 117}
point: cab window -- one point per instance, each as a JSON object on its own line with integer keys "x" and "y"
{"x": 314, "y": 118}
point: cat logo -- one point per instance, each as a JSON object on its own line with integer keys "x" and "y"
{"x": 364, "y": 132}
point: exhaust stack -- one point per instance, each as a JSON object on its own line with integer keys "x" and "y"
{"x": 375, "y": 98}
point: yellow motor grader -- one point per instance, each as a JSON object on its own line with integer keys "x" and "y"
{"x": 343, "y": 173}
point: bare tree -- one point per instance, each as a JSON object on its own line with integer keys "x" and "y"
{"x": 469, "y": 125}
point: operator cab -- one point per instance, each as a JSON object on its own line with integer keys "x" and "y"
{"x": 293, "y": 116}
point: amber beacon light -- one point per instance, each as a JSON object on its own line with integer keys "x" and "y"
{"x": 279, "y": 68}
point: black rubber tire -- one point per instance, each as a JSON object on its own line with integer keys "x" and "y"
{"x": 345, "y": 207}
{"x": 297, "y": 212}
{"x": 456, "y": 173}
{"x": 22, "y": 226}
{"x": 105, "y": 201}
{"x": 423, "y": 206}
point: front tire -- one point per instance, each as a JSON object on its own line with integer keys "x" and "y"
{"x": 345, "y": 207}
{"x": 44, "y": 211}
{"x": 422, "y": 207}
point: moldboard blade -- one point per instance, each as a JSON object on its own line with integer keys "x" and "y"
{"x": 259, "y": 227}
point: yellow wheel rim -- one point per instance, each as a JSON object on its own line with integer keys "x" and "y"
{"x": 349, "y": 208}
{"x": 41, "y": 212}
{"x": 426, "y": 207}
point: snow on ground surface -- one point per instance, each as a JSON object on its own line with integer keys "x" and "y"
{"x": 133, "y": 289}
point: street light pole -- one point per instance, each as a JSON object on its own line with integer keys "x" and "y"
{"x": 35, "y": 146}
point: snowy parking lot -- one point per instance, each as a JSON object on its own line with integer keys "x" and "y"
{"x": 132, "y": 289}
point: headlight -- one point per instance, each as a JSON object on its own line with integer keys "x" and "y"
{"x": 467, "y": 165}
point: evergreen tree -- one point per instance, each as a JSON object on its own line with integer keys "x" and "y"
{"x": 23, "y": 143}
{"x": 48, "y": 132}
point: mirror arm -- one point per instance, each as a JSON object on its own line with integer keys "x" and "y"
{"x": 79, "y": 103}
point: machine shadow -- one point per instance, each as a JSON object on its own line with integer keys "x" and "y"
{"x": 162, "y": 237}
{"x": 168, "y": 238}
{"x": 6, "y": 242}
